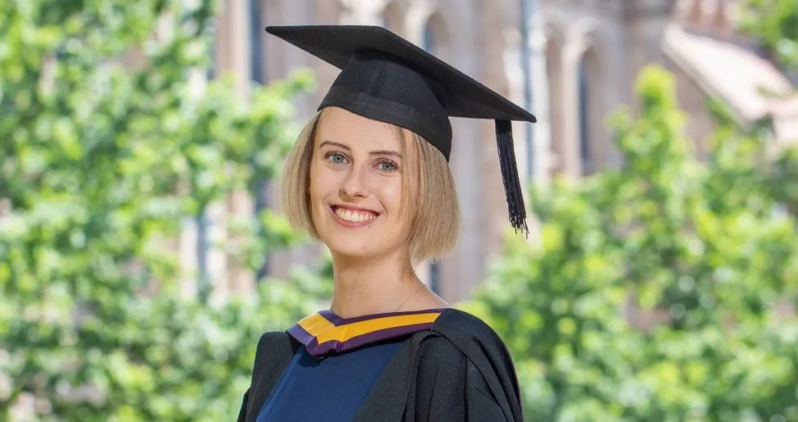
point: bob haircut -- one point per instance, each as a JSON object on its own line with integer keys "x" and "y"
{"x": 428, "y": 192}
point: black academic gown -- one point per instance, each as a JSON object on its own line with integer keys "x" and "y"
{"x": 458, "y": 371}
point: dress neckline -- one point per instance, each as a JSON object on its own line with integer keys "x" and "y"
{"x": 325, "y": 332}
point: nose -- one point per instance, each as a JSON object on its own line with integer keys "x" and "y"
{"x": 354, "y": 185}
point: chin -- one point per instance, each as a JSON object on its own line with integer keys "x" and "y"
{"x": 351, "y": 246}
{"x": 351, "y": 254}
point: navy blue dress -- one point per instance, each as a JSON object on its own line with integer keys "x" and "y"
{"x": 329, "y": 389}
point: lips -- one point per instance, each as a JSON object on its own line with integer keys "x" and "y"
{"x": 354, "y": 215}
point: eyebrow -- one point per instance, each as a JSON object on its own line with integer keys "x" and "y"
{"x": 380, "y": 152}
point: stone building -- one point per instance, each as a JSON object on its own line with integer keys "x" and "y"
{"x": 583, "y": 56}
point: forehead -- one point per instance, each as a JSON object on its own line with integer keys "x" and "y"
{"x": 342, "y": 126}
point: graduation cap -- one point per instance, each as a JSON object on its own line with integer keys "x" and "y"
{"x": 386, "y": 78}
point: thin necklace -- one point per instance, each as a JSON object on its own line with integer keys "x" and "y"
{"x": 411, "y": 295}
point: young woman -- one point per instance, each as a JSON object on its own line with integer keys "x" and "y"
{"x": 369, "y": 178}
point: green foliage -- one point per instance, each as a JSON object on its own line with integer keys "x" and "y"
{"x": 100, "y": 165}
{"x": 775, "y": 22}
{"x": 654, "y": 291}
{"x": 785, "y": 167}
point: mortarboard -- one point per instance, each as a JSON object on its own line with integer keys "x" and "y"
{"x": 387, "y": 78}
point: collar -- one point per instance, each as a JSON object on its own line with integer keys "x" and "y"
{"x": 325, "y": 332}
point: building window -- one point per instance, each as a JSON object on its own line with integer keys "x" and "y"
{"x": 585, "y": 116}
{"x": 256, "y": 42}
{"x": 212, "y": 37}
{"x": 434, "y": 38}
{"x": 554, "y": 78}
{"x": 592, "y": 142}
{"x": 202, "y": 253}
{"x": 435, "y": 277}
{"x": 201, "y": 220}
{"x": 428, "y": 38}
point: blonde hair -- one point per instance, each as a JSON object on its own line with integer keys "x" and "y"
{"x": 428, "y": 192}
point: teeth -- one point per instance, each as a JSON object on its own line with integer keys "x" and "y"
{"x": 353, "y": 216}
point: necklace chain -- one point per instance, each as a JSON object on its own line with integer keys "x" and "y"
{"x": 411, "y": 295}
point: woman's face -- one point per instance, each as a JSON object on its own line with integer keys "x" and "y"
{"x": 356, "y": 185}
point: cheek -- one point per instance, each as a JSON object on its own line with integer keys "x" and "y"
{"x": 392, "y": 195}
{"x": 321, "y": 182}
{"x": 318, "y": 189}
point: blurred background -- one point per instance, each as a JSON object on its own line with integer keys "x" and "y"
{"x": 142, "y": 251}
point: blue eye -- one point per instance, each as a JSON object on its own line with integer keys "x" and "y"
{"x": 387, "y": 166}
{"x": 335, "y": 157}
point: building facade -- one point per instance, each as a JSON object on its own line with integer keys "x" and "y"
{"x": 583, "y": 56}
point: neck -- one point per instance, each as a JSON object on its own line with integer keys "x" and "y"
{"x": 370, "y": 285}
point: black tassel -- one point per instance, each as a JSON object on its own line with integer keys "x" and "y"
{"x": 512, "y": 184}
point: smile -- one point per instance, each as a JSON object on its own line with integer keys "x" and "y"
{"x": 354, "y": 216}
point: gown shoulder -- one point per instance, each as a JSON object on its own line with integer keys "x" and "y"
{"x": 465, "y": 373}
